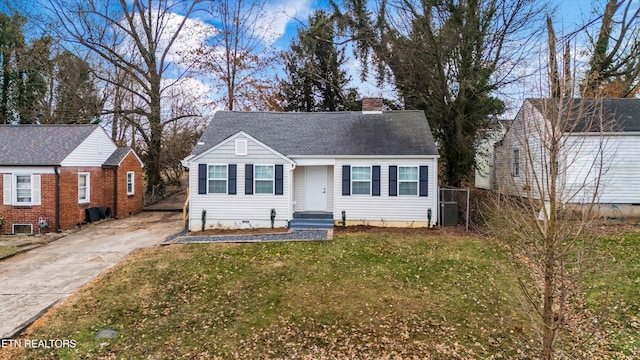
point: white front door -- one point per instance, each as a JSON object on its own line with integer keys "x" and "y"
{"x": 316, "y": 188}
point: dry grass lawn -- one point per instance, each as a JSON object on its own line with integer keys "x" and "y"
{"x": 367, "y": 294}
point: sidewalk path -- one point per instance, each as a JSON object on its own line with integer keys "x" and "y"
{"x": 32, "y": 282}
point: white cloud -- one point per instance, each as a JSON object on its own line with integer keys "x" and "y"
{"x": 277, "y": 16}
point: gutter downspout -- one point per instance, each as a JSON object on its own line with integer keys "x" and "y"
{"x": 56, "y": 169}
{"x": 115, "y": 192}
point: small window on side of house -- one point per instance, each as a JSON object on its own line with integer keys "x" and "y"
{"x": 131, "y": 182}
{"x": 84, "y": 188}
{"x": 516, "y": 162}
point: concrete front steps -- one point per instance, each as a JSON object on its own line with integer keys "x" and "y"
{"x": 312, "y": 220}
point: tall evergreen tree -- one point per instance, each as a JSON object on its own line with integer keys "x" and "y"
{"x": 76, "y": 97}
{"x": 314, "y": 80}
{"x": 446, "y": 57}
{"x": 34, "y": 69}
{"x": 11, "y": 41}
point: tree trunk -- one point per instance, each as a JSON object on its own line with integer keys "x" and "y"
{"x": 154, "y": 147}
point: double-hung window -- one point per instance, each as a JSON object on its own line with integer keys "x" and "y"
{"x": 264, "y": 176}
{"x": 516, "y": 162}
{"x": 361, "y": 180}
{"x": 408, "y": 180}
{"x": 84, "y": 188}
{"x": 217, "y": 179}
{"x": 130, "y": 182}
{"x": 23, "y": 189}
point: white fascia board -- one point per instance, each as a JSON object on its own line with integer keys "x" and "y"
{"x": 239, "y": 134}
{"x": 27, "y": 169}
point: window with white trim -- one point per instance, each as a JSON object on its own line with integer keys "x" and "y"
{"x": 217, "y": 179}
{"x": 516, "y": 162}
{"x": 408, "y": 180}
{"x": 84, "y": 188}
{"x": 21, "y": 189}
{"x": 24, "y": 190}
{"x": 263, "y": 178}
{"x": 361, "y": 180}
{"x": 131, "y": 182}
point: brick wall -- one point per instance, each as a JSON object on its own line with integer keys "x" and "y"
{"x": 72, "y": 212}
{"x": 31, "y": 214}
{"x": 129, "y": 204}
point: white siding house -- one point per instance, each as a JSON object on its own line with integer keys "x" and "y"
{"x": 599, "y": 158}
{"x": 378, "y": 168}
{"x": 485, "y": 156}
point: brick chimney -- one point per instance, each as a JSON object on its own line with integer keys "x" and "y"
{"x": 372, "y": 105}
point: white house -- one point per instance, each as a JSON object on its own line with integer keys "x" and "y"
{"x": 378, "y": 168}
{"x": 484, "y": 172}
{"x": 599, "y": 159}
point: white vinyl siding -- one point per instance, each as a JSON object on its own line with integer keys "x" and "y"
{"x": 578, "y": 165}
{"x": 299, "y": 180}
{"x": 408, "y": 180}
{"x": 240, "y": 210}
{"x": 217, "y": 179}
{"x": 131, "y": 178}
{"x": 93, "y": 151}
{"x": 383, "y": 208}
{"x": 361, "y": 180}
{"x": 84, "y": 188}
{"x": 264, "y": 179}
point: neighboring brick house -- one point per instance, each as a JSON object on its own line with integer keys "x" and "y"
{"x": 54, "y": 173}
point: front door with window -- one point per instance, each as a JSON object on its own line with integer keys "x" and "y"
{"x": 316, "y": 188}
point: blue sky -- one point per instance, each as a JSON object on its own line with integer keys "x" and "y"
{"x": 284, "y": 17}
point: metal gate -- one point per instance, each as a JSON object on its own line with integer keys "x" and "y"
{"x": 454, "y": 206}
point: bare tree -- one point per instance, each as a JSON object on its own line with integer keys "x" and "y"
{"x": 237, "y": 56}
{"x": 551, "y": 167}
{"x": 614, "y": 68}
{"x": 136, "y": 38}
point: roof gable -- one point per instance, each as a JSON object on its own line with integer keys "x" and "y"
{"x": 118, "y": 156}
{"x": 249, "y": 137}
{"x": 40, "y": 144}
{"x": 584, "y": 115}
{"x": 327, "y": 134}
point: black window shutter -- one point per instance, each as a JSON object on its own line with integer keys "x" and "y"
{"x": 202, "y": 178}
{"x": 393, "y": 180}
{"x": 424, "y": 180}
{"x": 346, "y": 180}
{"x": 375, "y": 180}
{"x": 232, "y": 179}
{"x": 279, "y": 179}
{"x": 248, "y": 179}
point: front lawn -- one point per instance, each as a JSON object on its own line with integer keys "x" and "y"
{"x": 403, "y": 294}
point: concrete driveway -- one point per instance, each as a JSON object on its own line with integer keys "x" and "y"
{"x": 32, "y": 282}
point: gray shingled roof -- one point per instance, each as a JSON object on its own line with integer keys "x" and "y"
{"x": 330, "y": 133}
{"x": 116, "y": 158}
{"x": 40, "y": 144}
{"x": 623, "y": 113}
